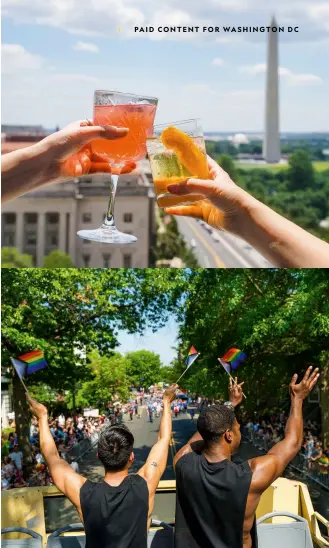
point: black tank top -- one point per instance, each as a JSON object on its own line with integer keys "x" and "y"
{"x": 115, "y": 517}
{"x": 210, "y": 503}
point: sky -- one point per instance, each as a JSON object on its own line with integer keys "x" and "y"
{"x": 162, "y": 342}
{"x": 56, "y": 53}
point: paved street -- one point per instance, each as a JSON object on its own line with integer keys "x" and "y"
{"x": 226, "y": 252}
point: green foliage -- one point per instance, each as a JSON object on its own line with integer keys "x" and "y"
{"x": 300, "y": 174}
{"x": 58, "y": 259}
{"x": 280, "y": 318}
{"x": 109, "y": 378}
{"x": 12, "y": 258}
{"x": 167, "y": 374}
{"x": 65, "y": 310}
{"x": 145, "y": 365}
{"x": 171, "y": 244}
{"x": 226, "y": 162}
{"x": 62, "y": 311}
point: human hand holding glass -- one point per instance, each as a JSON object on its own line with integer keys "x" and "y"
{"x": 219, "y": 206}
{"x": 229, "y": 207}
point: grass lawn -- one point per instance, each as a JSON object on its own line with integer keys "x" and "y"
{"x": 319, "y": 166}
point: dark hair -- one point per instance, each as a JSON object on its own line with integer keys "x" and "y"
{"x": 115, "y": 445}
{"x": 213, "y": 421}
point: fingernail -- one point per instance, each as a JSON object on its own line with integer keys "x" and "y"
{"x": 173, "y": 188}
{"x": 120, "y": 129}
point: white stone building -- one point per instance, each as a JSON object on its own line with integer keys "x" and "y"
{"x": 49, "y": 218}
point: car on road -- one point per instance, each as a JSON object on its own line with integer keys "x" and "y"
{"x": 193, "y": 243}
{"x": 247, "y": 246}
{"x": 216, "y": 236}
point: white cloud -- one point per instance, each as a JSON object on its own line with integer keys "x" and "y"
{"x": 293, "y": 78}
{"x": 15, "y": 58}
{"x": 86, "y": 46}
{"x": 253, "y": 69}
{"x": 300, "y": 79}
{"x": 218, "y": 62}
{"x": 319, "y": 13}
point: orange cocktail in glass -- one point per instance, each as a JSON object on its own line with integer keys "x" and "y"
{"x": 128, "y": 110}
{"x": 177, "y": 152}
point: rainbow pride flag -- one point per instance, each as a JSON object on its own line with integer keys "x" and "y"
{"x": 234, "y": 357}
{"x": 192, "y": 356}
{"x": 34, "y": 361}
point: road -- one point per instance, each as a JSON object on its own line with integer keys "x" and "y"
{"x": 227, "y": 252}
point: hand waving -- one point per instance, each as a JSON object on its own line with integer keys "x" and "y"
{"x": 37, "y": 409}
{"x": 170, "y": 393}
{"x": 305, "y": 387}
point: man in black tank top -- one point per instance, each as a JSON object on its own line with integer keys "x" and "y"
{"x": 216, "y": 498}
{"x": 117, "y": 511}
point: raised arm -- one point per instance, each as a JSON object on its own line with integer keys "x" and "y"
{"x": 268, "y": 468}
{"x": 157, "y": 459}
{"x": 66, "y": 480}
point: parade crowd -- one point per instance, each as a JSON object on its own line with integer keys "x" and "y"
{"x": 68, "y": 436}
{"x": 265, "y": 431}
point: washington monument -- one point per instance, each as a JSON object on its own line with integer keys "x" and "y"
{"x": 271, "y": 145}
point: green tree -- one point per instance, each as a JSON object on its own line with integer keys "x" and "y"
{"x": 109, "y": 378}
{"x": 228, "y": 165}
{"x": 167, "y": 374}
{"x": 12, "y": 258}
{"x": 280, "y": 318}
{"x": 62, "y": 311}
{"x": 145, "y": 365}
{"x": 57, "y": 259}
{"x": 300, "y": 174}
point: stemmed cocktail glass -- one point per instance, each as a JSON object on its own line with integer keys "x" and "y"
{"x": 137, "y": 113}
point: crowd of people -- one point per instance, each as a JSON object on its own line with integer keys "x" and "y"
{"x": 67, "y": 433}
{"x": 268, "y": 429}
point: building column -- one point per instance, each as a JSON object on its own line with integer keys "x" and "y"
{"x": 41, "y": 233}
{"x": 62, "y": 232}
{"x": 19, "y": 231}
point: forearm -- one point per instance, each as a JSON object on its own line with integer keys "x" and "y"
{"x": 166, "y": 422}
{"x": 23, "y": 171}
{"x": 282, "y": 242}
{"x": 47, "y": 443}
{"x": 295, "y": 428}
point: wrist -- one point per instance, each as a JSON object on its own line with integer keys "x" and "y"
{"x": 297, "y": 401}
{"x": 244, "y": 206}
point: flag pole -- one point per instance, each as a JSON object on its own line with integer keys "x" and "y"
{"x": 20, "y": 378}
{"x": 198, "y": 354}
{"x": 182, "y": 375}
{"x": 229, "y": 374}
{"x": 23, "y": 383}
